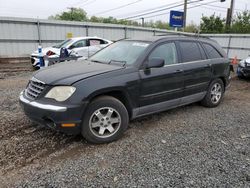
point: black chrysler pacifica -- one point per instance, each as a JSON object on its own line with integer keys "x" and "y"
{"x": 128, "y": 79}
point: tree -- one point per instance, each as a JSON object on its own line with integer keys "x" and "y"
{"x": 73, "y": 14}
{"x": 192, "y": 28}
{"x": 241, "y": 24}
{"x": 212, "y": 24}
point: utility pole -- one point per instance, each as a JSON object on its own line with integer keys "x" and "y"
{"x": 230, "y": 14}
{"x": 142, "y": 22}
{"x": 185, "y": 14}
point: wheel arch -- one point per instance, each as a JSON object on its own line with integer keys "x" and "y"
{"x": 118, "y": 93}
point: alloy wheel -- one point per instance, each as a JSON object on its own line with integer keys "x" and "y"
{"x": 105, "y": 122}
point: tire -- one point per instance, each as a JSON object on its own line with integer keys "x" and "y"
{"x": 105, "y": 120}
{"x": 214, "y": 94}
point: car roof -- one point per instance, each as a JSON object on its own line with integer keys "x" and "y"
{"x": 172, "y": 37}
{"x": 88, "y": 37}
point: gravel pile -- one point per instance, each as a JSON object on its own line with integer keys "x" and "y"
{"x": 190, "y": 146}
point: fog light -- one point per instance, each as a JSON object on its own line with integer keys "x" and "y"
{"x": 68, "y": 125}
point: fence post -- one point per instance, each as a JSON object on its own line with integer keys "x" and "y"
{"x": 154, "y": 32}
{"x": 39, "y": 32}
{"x": 229, "y": 44}
{"x": 125, "y": 32}
{"x": 87, "y": 30}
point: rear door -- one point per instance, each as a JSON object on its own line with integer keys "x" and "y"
{"x": 95, "y": 45}
{"x": 162, "y": 85}
{"x": 197, "y": 68}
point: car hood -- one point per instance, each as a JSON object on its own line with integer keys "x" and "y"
{"x": 67, "y": 73}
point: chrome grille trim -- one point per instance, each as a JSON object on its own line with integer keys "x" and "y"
{"x": 34, "y": 88}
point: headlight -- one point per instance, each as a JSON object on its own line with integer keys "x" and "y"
{"x": 242, "y": 63}
{"x": 60, "y": 93}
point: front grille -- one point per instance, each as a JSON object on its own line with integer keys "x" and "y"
{"x": 34, "y": 88}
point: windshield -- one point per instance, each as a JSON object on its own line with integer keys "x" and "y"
{"x": 122, "y": 51}
{"x": 63, "y": 44}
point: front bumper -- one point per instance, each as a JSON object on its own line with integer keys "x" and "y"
{"x": 53, "y": 115}
{"x": 245, "y": 71}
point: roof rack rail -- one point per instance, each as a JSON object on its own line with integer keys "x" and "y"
{"x": 197, "y": 35}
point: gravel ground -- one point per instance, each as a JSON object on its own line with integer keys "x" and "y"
{"x": 190, "y": 146}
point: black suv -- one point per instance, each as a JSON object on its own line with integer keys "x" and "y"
{"x": 128, "y": 79}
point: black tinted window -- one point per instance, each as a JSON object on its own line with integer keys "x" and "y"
{"x": 166, "y": 52}
{"x": 190, "y": 51}
{"x": 211, "y": 51}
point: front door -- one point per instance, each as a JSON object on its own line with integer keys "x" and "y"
{"x": 161, "y": 87}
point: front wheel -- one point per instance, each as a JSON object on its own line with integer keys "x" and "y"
{"x": 214, "y": 94}
{"x": 105, "y": 120}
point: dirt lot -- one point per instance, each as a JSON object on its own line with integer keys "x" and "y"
{"x": 190, "y": 146}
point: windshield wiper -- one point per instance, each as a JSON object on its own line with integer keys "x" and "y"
{"x": 118, "y": 61}
{"x": 97, "y": 61}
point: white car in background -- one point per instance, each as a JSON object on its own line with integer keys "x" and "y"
{"x": 78, "y": 46}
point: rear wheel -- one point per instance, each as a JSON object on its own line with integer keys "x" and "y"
{"x": 105, "y": 120}
{"x": 214, "y": 94}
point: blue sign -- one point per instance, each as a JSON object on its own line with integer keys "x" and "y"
{"x": 176, "y": 18}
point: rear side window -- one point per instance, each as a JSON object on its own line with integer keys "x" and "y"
{"x": 190, "y": 51}
{"x": 93, "y": 42}
{"x": 211, "y": 51}
{"x": 165, "y": 51}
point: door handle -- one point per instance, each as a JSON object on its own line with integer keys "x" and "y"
{"x": 179, "y": 71}
{"x": 208, "y": 65}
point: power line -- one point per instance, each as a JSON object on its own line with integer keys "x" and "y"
{"x": 179, "y": 9}
{"x": 90, "y": 2}
{"x": 160, "y": 10}
{"x": 151, "y": 12}
{"x": 119, "y": 7}
{"x": 223, "y": 7}
{"x": 78, "y": 3}
{"x": 142, "y": 11}
{"x": 214, "y": 9}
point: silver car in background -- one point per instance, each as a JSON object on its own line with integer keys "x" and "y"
{"x": 78, "y": 46}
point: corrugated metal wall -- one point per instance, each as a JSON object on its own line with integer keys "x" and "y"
{"x": 19, "y": 37}
{"x": 234, "y": 44}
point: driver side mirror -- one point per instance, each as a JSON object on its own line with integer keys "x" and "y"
{"x": 155, "y": 63}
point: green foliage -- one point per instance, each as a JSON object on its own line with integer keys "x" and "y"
{"x": 192, "y": 28}
{"x": 78, "y": 14}
{"x": 73, "y": 14}
{"x": 212, "y": 24}
{"x": 241, "y": 24}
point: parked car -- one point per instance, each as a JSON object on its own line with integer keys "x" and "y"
{"x": 126, "y": 80}
{"x": 79, "y": 46}
{"x": 243, "y": 69}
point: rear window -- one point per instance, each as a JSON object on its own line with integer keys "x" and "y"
{"x": 211, "y": 51}
{"x": 190, "y": 51}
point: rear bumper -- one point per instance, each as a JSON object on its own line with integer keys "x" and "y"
{"x": 53, "y": 115}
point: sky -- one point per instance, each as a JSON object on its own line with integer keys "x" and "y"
{"x": 45, "y": 8}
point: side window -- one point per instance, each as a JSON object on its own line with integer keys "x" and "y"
{"x": 211, "y": 51}
{"x": 165, "y": 51}
{"x": 190, "y": 51}
{"x": 103, "y": 41}
{"x": 79, "y": 44}
{"x": 94, "y": 42}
